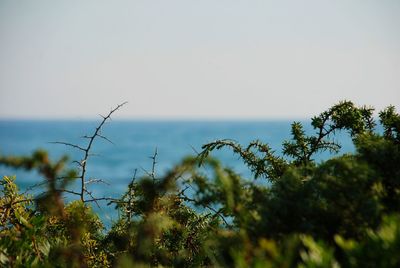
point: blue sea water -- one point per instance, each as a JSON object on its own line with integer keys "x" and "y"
{"x": 134, "y": 142}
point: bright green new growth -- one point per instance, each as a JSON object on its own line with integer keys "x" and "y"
{"x": 343, "y": 212}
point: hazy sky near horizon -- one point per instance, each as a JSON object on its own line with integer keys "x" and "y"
{"x": 196, "y": 59}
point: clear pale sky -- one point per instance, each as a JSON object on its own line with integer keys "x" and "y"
{"x": 196, "y": 59}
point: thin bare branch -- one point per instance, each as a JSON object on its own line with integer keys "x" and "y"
{"x": 194, "y": 150}
{"x": 153, "y": 166}
{"x": 69, "y": 144}
{"x": 217, "y": 212}
{"x": 83, "y": 163}
{"x": 96, "y": 181}
{"x": 145, "y": 171}
{"x": 134, "y": 175}
{"x": 77, "y": 162}
{"x": 45, "y": 182}
{"x": 93, "y": 198}
{"x": 70, "y": 192}
{"x": 183, "y": 190}
{"x": 89, "y": 146}
{"x": 114, "y": 200}
{"x": 105, "y": 138}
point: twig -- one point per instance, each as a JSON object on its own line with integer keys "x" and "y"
{"x": 194, "y": 150}
{"x": 82, "y": 164}
{"x": 217, "y": 212}
{"x": 69, "y": 144}
{"x": 46, "y": 182}
{"x": 153, "y": 167}
{"x": 101, "y": 199}
{"x": 89, "y": 146}
{"x": 182, "y": 192}
{"x": 96, "y": 181}
{"x": 70, "y": 192}
{"x": 134, "y": 175}
{"x": 93, "y": 198}
{"x": 105, "y": 138}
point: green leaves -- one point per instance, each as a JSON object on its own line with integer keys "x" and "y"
{"x": 263, "y": 162}
{"x": 22, "y": 242}
{"x": 390, "y": 121}
{"x": 340, "y": 212}
{"x": 259, "y": 157}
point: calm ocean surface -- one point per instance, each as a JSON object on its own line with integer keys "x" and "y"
{"x": 134, "y": 144}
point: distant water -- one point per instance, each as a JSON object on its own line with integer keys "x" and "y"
{"x": 133, "y": 144}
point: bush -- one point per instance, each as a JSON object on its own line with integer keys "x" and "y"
{"x": 340, "y": 212}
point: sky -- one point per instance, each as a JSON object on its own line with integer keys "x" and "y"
{"x": 208, "y": 59}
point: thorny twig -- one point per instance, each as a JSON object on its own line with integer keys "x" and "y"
{"x": 39, "y": 184}
{"x": 217, "y": 212}
{"x": 153, "y": 166}
{"x": 86, "y": 150}
{"x": 152, "y": 173}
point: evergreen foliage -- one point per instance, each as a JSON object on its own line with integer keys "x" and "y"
{"x": 343, "y": 212}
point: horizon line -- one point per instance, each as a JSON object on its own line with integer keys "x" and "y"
{"x": 157, "y": 118}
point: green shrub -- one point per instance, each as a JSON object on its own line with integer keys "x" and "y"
{"x": 343, "y": 212}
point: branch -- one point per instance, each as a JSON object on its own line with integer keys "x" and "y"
{"x": 153, "y": 166}
{"x": 86, "y": 150}
{"x": 217, "y": 212}
{"x": 94, "y": 199}
{"x": 70, "y": 192}
{"x": 39, "y": 184}
{"x": 103, "y": 198}
{"x": 96, "y": 181}
{"x": 69, "y": 144}
{"x": 105, "y": 138}
{"x": 89, "y": 146}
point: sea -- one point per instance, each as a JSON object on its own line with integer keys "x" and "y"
{"x": 130, "y": 146}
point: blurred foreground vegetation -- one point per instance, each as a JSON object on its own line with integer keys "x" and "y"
{"x": 343, "y": 212}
